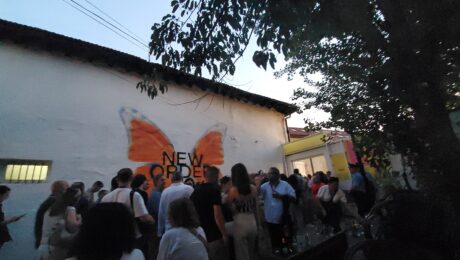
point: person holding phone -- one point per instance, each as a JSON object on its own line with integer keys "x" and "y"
{"x": 274, "y": 193}
{"x": 4, "y": 233}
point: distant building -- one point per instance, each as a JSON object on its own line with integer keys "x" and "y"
{"x": 328, "y": 150}
{"x": 323, "y": 150}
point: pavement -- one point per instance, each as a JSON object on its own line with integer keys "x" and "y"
{"x": 315, "y": 233}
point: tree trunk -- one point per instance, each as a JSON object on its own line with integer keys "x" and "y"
{"x": 417, "y": 80}
{"x": 438, "y": 163}
{"x": 438, "y": 156}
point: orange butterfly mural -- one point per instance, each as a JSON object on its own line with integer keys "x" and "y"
{"x": 148, "y": 144}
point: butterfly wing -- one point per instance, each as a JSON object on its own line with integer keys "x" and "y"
{"x": 210, "y": 146}
{"x": 209, "y": 150}
{"x": 146, "y": 141}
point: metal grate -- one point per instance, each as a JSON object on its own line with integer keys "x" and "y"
{"x": 25, "y": 171}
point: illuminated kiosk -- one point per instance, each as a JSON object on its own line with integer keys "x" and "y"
{"x": 323, "y": 150}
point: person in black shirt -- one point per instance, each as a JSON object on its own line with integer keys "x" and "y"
{"x": 225, "y": 185}
{"x": 140, "y": 185}
{"x": 146, "y": 242}
{"x": 208, "y": 203}
{"x": 83, "y": 204}
{"x": 4, "y": 222}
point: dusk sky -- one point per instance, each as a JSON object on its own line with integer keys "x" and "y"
{"x": 138, "y": 16}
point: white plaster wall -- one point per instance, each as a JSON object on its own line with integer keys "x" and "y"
{"x": 65, "y": 110}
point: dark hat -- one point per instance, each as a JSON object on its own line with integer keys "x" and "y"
{"x": 351, "y": 165}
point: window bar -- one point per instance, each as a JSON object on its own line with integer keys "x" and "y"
{"x": 23, "y": 173}
{"x": 26, "y": 172}
{"x": 18, "y": 174}
{"x": 32, "y": 180}
{"x": 9, "y": 172}
{"x": 24, "y": 169}
{"x": 41, "y": 173}
{"x": 13, "y": 173}
{"x": 18, "y": 169}
{"x": 30, "y": 173}
{"x": 29, "y": 167}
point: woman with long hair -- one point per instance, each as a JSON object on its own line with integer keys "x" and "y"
{"x": 140, "y": 185}
{"x": 59, "y": 219}
{"x": 243, "y": 200}
{"x": 186, "y": 239}
{"x": 108, "y": 233}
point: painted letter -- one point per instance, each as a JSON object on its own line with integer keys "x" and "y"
{"x": 170, "y": 169}
{"x": 170, "y": 159}
{"x": 195, "y": 161}
{"x": 189, "y": 171}
{"x": 152, "y": 170}
{"x": 181, "y": 160}
{"x": 197, "y": 171}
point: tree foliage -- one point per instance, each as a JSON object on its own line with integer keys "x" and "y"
{"x": 390, "y": 68}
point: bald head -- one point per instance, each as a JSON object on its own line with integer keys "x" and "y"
{"x": 59, "y": 187}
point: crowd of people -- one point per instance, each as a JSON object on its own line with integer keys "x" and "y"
{"x": 231, "y": 217}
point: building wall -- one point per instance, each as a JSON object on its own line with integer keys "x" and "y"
{"x": 66, "y": 110}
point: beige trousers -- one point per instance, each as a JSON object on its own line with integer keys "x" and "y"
{"x": 243, "y": 228}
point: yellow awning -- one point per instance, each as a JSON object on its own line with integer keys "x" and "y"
{"x": 304, "y": 144}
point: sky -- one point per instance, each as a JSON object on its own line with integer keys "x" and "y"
{"x": 138, "y": 16}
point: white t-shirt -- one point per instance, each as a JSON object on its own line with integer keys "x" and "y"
{"x": 173, "y": 192}
{"x": 121, "y": 195}
{"x": 179, "y": 244}
{"x": 136, "y": 254}
{"x": 49, "y": 223}
{"x": 324, "y": 195}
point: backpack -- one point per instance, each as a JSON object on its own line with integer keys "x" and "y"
{"x": 144, "y": 228}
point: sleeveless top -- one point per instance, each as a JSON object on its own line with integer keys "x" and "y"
{"x": 50, "y": 222}
{"x": 4, "y": 233}
{"x": 244, "y": 204}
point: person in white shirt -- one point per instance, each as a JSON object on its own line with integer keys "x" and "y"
{"x": 123, "y": 195}
{"x": 175, "y": 191}
{"x": 62, "y": 215}
{"x": 186, "y": 240}
{"x": 330, "y": 197}
{"x": 275, "y": 193}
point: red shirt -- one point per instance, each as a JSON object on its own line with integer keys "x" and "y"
{"x": 315, "y": 187}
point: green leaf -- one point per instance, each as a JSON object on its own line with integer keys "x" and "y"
{"x": 175, "y": 7}
{"x": 272, "y": 60}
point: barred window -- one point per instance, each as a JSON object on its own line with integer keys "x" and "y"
{"x": 24, "y": 171}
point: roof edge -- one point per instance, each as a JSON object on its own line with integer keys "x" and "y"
{"x": 74, "y": 48}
